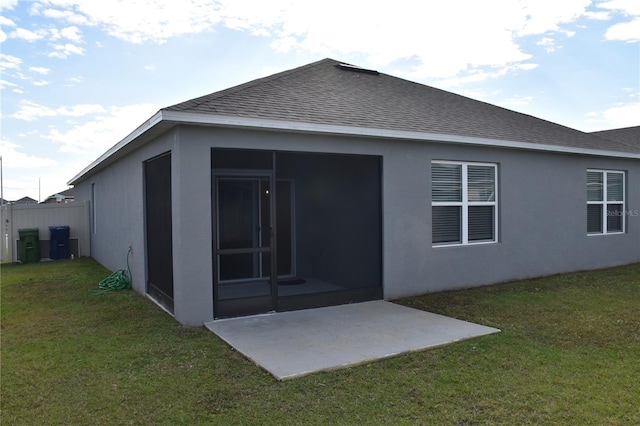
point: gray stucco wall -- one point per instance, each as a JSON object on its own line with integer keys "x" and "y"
{"x": 542, "y": 222}
{"x": 117, "y": 217}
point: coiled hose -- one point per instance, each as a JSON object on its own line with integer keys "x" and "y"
{"x": 119, "y": 280}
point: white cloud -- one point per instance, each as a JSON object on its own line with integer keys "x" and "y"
{"x": 27, "y": 35}
{"x": 136, "y": 21}
{"x": 40, "y": 70}
{"x": 43, "y": 8}
{"x": 8, "y": 4}
{"x": 63, "y": 51}
{"x": 542, "y": 16}
{"x": 598, "y": 16}
{"x": 623, "y": 31}
{"x": 4, "y": 21}
{"x": 438, "y": 48}
{"x": 8, "y": 62}
{"x": 73, "y": 81}
{"x": 444, "y": 39}
{"x": 80, "y": 141}
{"x": 476, "y": 75}
{"x": 13, "y": 157}
{"x": 69, "y": 33}
{"x": 103, "y": 131}
{"x": 29, "y": 174}
{"x": 548, "y": 43}
{"x": 30, "y": 111}
{"x": 628, "y": 7}
{"x": 623, "y": 115}
{"x": 81, "y": 110}
{"x": 40, "y": 83}
{"x": 5, "y": 83}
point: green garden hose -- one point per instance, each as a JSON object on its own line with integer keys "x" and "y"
{"x": 119, "y": 280}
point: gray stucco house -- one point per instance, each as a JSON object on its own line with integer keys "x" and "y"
{"x": 330, "y": 184}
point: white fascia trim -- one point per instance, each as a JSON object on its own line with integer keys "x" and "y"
{"x": 258, "y": 123}
{"x": 178, "y": 117}
{"x": 143, "y": 128}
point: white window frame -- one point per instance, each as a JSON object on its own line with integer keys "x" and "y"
{"x": 465, "y": 204}
{"x": 604, "y": 202}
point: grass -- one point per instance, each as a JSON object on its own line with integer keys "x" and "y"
{"x": 568, "y": 353}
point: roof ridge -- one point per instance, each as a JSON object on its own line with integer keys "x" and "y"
{"x": 616, "y": 129}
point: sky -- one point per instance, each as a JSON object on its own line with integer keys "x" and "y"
{"x": 77, "y": 76}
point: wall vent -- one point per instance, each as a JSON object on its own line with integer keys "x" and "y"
{"x": 355, "y": 68}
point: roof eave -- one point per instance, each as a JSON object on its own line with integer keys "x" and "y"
{"x": 164, "y": 120}
{"x": 125, "y": 145}
{"x": 305, "y": 127}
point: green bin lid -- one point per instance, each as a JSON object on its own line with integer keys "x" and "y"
{"x": 27, "y": 231}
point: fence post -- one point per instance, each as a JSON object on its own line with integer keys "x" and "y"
{"x": 6, "y": 229}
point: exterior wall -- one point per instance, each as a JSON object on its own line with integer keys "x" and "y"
{"x": 192, "y": 250}
{"x": 542, "y": 205}
{"x": 542, "y": 220}
{"x": 117, "y": 214}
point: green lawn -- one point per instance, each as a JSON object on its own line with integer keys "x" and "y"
{"x": 568, "y": 353}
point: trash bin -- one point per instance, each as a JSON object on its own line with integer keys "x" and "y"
{"x": 29, "y": 245}
{"x": 59, "y": 242}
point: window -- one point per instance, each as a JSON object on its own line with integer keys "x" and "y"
{"x": 463, "y": 202}
{"x": 605, "y": 202}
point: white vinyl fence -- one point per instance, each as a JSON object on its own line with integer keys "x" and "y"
{"x": 15, "y": 217}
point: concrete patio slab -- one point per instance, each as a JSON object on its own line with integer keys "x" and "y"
{"x": 293, "y": 344}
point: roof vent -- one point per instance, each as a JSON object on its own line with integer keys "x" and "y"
{"x": 355, "y": 68}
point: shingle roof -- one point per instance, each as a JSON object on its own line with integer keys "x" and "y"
{"x": 26, "y": 200}
{"x": 627, "y": 135}
{"x": 324, "y": 92}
